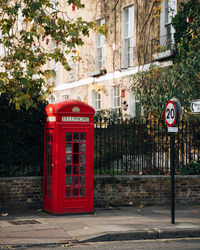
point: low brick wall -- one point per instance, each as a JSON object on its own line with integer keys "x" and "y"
{"x": 21, "y": 192}
{"x": 26, "y": 192}
{"x": 145, "y": 190}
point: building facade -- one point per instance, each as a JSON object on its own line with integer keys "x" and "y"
{"x": 137, "y": 34}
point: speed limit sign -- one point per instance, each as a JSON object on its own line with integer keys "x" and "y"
{"x": 170, "y": 113}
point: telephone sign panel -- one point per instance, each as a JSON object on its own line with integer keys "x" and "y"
{"x": 68, "y": 161}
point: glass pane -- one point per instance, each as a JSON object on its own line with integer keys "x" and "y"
{"x": 82, "y": 192}
{"x": 76, "y": 137}
{"x": 82, "y": 169}
{"x": 68, "y": 170}
{"x": 68, "y": 180}
{"x": 76, "y": 148}
{"x": 75, "y": 181}
{"x": 118, "y": 102}
{"x": 75, "y": 192}
{"x": 83, "y": 148}
{"x": 68, "y": 148}
{"x": 76, "y": 159}
{"x": 82, "y": 159}
{"x": 69, "y": 137}
{"x": 68, "y": 159}
{"x": 82, "y": 180}
{"x": 67, "y": 192}
{"x": 75, "y": 170}
{"x": 83, "y": 137}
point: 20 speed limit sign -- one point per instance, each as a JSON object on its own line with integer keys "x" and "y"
{"x": 170, "y": 113}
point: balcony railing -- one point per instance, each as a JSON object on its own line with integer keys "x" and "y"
{"x": 162, "y": 47}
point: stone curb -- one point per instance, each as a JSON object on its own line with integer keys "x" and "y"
{"x": 144, "y": 235}
{"x": 151, "y": 234}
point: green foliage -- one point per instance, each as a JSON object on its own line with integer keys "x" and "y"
{"x": 187, "y": 28}
{"x": 108, "y": 114}
{"x": 182, "y": 80}
{"x": 21, "y": 136}
{"x": 191, "y": 169}
{"x": 29, "y": 31}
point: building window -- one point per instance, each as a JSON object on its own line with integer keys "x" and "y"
{"x": 100, "y": 48}
{"x": 1, "y": 44}
{"x": 162, "y": 47}
{"x": 115, "y": 97}
{"x": 168, "y": 11}
{"x": 74, "y": 70}
{"x": 96, "y": 102}
{"x": 20, "y": 17}
{"x": 128, "y": 37}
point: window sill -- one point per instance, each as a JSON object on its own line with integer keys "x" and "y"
{"x": 162, "y": 55}
{"x": 97, "y": 73}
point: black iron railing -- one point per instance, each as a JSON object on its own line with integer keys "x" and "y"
{"x": 162, "y": 47}
{"x": 143, "y": 147}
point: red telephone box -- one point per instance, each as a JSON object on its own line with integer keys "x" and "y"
{"x": 68, "y": 157}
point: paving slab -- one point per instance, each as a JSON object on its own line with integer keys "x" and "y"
{"x": 125, "y": 223}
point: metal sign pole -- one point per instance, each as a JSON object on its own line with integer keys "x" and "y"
{"x": 172, "y": 115}
{"x": 172, "y": 170}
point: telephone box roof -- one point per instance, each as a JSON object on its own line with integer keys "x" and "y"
{"x": 68, "y": 106}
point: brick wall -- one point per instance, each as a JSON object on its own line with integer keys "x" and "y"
{"x": 26, "y": 192}
{"x": 21, "y": 192}
{"x": 145, "y": 190}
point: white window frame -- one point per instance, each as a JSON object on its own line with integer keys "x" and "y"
{"x": 128, "y": 37}
{"x": 116, "y": 97}
{"x": 20, "y": 21}
{"x": 168, "y": 11}
{"x": 100, "y": 45}
{"x": 97, "y": 100}
{"x": 74, "y": 70}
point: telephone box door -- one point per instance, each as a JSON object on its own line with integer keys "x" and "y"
{"x": 48, "y": 167}
{"x": 76, "y": 187}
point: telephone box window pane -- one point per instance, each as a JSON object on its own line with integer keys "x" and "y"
{"x": 68, "y": 170}
{"x": 68, "y": 180}
{"x": 69, "y": 148}
{"x": 82, "y": 169}
{"x": 69, "y": 137}
{"x": 75, "y": 170}
{"x": 76, "y": 137}
{"x": 68, "y": 159}
{"x": 82, "y": 192}
{"x": 67, "y": 192}
{"x": 76, "y": 148}
{"x": 83, "y": 148}
{"x": 75, "y": 192}
{"x": 83, "y": 137}
{"x": 75, "y": 159}
{"x": 75, "y": 181}
{"x": 82, "y": 159}
{"x": 82, "y": 180}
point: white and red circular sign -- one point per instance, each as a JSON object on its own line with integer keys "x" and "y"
{"x": 170, "y": 113}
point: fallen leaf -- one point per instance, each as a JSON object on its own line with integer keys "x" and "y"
{"x": 4, "y": 214}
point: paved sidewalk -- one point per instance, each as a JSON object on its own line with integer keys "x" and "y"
{"x": 38, "y": 227}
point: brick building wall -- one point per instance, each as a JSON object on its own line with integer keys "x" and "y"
{"x": 26, "y": 192}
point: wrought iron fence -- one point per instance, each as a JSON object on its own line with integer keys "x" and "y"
{"x": 162, "y": 47}
{"x": 143, "y": 147}
{"x": 122, "y": 147}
